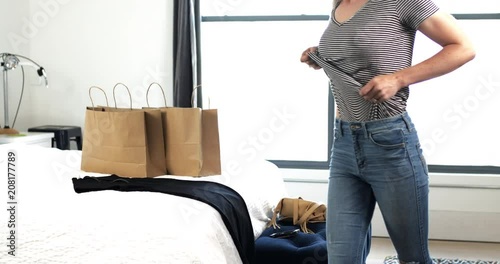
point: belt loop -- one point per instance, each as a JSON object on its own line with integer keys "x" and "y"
{"x": 407, "y": 121}
{"x": 365, "y": 131}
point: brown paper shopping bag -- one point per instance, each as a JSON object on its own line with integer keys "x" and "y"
{"x": 125, "y": 142}
{"x": 210, "y": 142}
{"x": 192, "y": 145}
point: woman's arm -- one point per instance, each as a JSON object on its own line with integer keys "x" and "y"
{"x": 457, "y": 50}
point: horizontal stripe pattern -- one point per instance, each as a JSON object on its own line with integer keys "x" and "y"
{"x": 377, "y": 40}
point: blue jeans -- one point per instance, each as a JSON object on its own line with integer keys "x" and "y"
{"x": 377, "y": 162}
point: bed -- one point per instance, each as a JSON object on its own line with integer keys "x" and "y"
{"x": 54, "y": 224}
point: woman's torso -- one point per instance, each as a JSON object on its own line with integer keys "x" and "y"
{"x": 378, "y": 39}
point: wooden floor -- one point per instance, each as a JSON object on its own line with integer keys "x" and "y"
{"x": 382, "y": 247}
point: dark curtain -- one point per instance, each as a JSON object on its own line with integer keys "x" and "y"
{"x": 187, "y": 64}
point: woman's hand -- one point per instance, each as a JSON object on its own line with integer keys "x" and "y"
{"x": 307, "y": 60}
{"x": 381, "y": 88}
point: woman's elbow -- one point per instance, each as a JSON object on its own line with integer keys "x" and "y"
{"x": 468, "y": 52}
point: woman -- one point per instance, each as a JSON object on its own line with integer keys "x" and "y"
{"x": 366, "y": 52}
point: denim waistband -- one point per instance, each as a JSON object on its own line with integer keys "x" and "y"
{"x": 398, "y": 121}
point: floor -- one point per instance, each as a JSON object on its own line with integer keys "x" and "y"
{"x": 382, "y": 247}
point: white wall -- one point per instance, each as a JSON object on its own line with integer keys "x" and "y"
{"x": 82, "y": 43}
{"x": 12, "y": 15}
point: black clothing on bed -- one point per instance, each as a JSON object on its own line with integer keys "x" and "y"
{"x": 222, "y": 198}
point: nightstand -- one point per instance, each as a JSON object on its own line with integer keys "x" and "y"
{"x": 28, "y": 138}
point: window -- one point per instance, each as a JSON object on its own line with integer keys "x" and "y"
{"x": 456, "y": 114}
{"x": 272, "y": 106}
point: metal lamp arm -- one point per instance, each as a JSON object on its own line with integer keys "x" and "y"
{"x": 29, "y": 62}
{"x": 41, "y": 71}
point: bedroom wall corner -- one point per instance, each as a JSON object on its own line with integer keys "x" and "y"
{"x": 86, "y": 43}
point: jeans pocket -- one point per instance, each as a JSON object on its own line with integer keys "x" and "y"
{"x": 389, "y": 139}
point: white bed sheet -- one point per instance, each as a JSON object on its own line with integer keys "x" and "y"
{"x": 56, "y": 225}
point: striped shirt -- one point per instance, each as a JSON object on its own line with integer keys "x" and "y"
{"x": 377, "y": 40}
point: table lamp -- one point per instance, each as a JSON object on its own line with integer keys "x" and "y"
{"x": 9, "y": 62}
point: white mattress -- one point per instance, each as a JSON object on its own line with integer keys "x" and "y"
{"x": 56, "y": 225}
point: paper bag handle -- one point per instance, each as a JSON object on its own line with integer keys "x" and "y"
{"x": 192, "y": 96}
{"x": 163, "y": 92}
{"x": 92, "y": 100}
{"x": 128, "y": 90}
